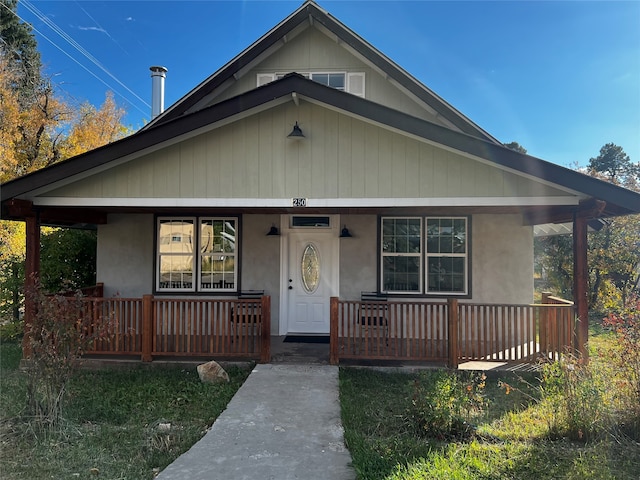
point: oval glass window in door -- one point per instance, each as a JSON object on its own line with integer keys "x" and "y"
{"x": 310, "y": 268}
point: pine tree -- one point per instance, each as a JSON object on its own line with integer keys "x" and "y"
{"x": 18, "y": 45}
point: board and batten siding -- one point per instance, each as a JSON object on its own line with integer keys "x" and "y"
{"x": 313, "y": 51}
{"x": 341, "y": 157}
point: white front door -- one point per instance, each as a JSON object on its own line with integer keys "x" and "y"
{"x": 312, "y": 277}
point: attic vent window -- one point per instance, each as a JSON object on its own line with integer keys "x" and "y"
{"x": 351, "y": 82}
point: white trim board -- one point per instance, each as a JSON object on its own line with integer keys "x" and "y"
{"x": 311, "y": 202}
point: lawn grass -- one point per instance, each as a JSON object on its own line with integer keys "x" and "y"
{"x": 131, "y": 424}
{"x": 119, "y": 424}
{"x": 512, "y": 442}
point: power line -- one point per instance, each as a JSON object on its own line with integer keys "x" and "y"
{"x": 48, "y": 22}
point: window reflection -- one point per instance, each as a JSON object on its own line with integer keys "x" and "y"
{"x": 212, "y": 248}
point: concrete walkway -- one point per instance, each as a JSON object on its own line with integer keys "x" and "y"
{"x": 283, "y": 423}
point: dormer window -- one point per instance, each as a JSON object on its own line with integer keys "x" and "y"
{"x": 351, "y": 82}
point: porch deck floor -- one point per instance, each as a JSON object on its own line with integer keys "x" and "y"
{"x": 303, "y": 353}
{"x": 317, "y": 353}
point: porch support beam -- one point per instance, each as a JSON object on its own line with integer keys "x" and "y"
{"x": 31, "y": 275}
{"x": 17, "y": 208}
{"x": 587, "y": 210}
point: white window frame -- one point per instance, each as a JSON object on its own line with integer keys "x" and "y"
{"x": 425, "y": 255}
{"x": 196, "y": 256}
{"x": 464, "y": 255}
{"x": 233, "y": 254}
{"x": 160, "y": 255}
{"x": 354, "y": 82}
{"x": 419, "y": 255}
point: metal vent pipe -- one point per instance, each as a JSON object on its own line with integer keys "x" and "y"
{"x": 158, "y": 74}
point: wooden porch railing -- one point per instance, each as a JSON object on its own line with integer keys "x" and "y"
{"x": 158, "y": 326}
{"x": 450, "y": 332}
{"x": 380, "y": 330}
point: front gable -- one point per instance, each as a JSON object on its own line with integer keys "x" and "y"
{"x": 310, "y": 39}
{"x": 343, "y": 161}
{"x": 313, "y": 50}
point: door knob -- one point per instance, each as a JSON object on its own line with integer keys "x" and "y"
{"x": 290, "y": 287}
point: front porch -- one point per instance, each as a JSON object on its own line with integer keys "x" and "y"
{"x": 366, "y": 332}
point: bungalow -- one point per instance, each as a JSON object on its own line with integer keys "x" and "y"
{"x": 311, "y": 167}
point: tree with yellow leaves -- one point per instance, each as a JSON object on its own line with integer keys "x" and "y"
{"x": 91, "y": 128}
{"x": 41, "y": 130}
{"x": 37, "y": 129}
{"x": 28, "y": 139}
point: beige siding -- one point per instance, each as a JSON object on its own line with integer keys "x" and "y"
{"x": 313, "y": 51}
{"x": 341, "y": 157}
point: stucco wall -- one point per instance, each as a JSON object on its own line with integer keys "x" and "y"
{"x": 502, "y": 259}
{"x": 358, "y": 260}
{"x": 261, "y": 260}
{"x": 125, "y": 255}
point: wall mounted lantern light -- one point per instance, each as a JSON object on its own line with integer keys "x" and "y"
{"x": 296, "y": 133}
{"x": 345, "y": 233}
{"x": 273, "y": 231}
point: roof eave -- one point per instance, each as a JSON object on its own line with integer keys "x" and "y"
{"x": 619, "y": 200}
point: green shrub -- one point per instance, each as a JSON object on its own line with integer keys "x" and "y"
{"x": 625, "y": 359}
{"x": 444, "y": 403}
{"x": 11, "y": 331}
{"x": 575, "y": 396}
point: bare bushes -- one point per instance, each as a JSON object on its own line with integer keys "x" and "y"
{"x": 62, "y": 329}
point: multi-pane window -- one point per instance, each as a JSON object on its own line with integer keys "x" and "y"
{"x": 351, "y": 82}
{"x": 446, "y": 254}
{"x": 436, "y": 246}
{"x": 334, "y": 80}
{"x": 402, "y": 254}
{"x": 196, "y": 254}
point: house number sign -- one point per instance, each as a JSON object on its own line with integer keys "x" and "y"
{"x": 298, "y": 202}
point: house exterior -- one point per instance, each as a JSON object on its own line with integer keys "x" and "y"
{"x": 389, "y": 189}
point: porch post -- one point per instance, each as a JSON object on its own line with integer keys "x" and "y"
{"x": 580, "y": 283}
{"x": 265, "y": 351}
{"x": 333, "y": 331}
{"x": 452, "y": 332}
{"x": 147, "y": 328}
{"x": 31, "y": 276}
{"x": 543, "y": 324}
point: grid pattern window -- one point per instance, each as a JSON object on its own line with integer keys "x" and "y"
{"x": 446, "y": 255}
{"x": 402, "y": 254}
{"x": 175, "y": 253}
{"x": 437, "y": 246}
{"x": 196, "y": 254}
{"x": 217, "y": 254}
{"x": 351, "y": 82}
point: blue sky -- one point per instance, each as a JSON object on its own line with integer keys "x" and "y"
{"x": 560, "y": 78}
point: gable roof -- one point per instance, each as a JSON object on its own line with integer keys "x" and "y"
{"x": 308, "y": 15}
{"x": 619, "y": 201}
